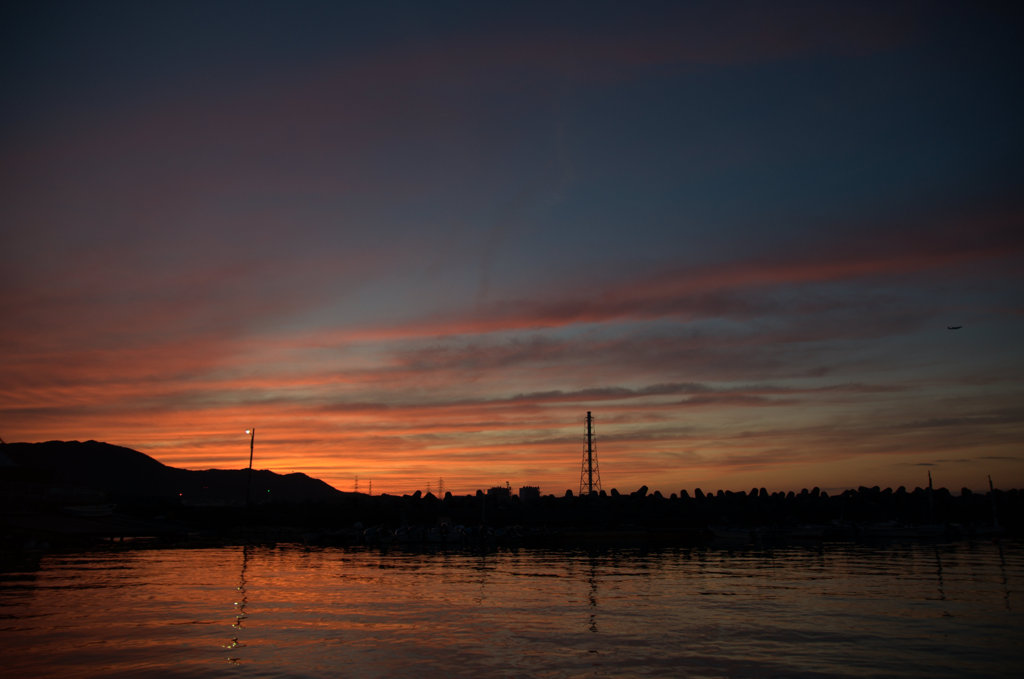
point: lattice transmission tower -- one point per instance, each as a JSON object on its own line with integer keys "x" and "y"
{"x": 590, "y": 475}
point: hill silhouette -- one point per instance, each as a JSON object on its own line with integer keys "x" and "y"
{"x": 95, "y": 471}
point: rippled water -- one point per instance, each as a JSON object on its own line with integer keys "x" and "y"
{"x": 289, "y": 611}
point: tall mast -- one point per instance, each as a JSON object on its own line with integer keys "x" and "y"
{"x": 589, "y": 468}
{"x": 590, "y": 453}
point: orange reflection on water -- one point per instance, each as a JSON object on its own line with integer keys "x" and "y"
{"x": 318, "y": 612}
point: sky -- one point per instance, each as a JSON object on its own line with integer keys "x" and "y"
{"x": 413, "y": 244}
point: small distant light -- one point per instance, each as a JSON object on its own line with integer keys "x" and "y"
{"x": 248, "y": 431}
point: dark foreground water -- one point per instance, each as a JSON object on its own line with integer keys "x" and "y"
{"x": 948, "y": 610}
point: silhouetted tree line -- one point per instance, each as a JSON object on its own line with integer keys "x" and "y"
{"x": 756, "y": 508}
{"x": 696, "y": 517}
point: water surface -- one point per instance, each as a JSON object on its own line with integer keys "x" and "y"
{"x": 838, "y": 610}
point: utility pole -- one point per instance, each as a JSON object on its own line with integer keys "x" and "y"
{"x": 248, "y": 487}
{"x": 992, "y": 497}
{"x": 931, "y": 499}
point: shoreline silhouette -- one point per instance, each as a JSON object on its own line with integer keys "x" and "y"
{"x": 73, "y": 493}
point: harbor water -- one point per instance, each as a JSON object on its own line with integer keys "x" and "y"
{"x": 827, "y": 610}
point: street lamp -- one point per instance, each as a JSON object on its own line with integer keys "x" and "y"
{"x": 252, "y": 443}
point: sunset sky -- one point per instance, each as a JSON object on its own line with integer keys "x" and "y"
{"x": 419, "y": 241}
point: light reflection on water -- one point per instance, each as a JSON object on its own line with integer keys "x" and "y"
{"x": 838, "y": 610}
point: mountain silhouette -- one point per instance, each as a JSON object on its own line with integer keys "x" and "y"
{"x": 91, "y": 468}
